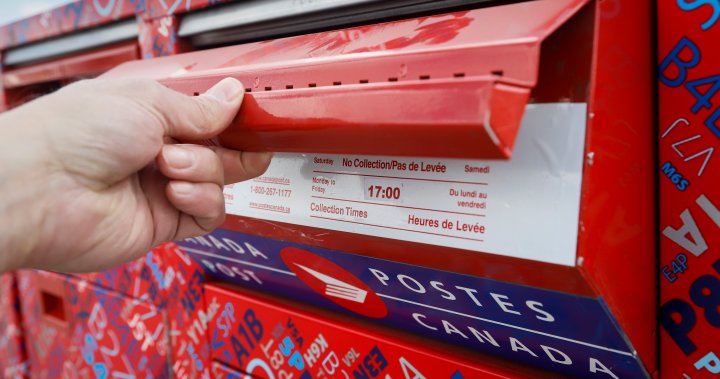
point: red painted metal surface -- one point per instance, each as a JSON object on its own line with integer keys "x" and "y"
{"x": 72, "y": 17}
{"x": 158, "y": 37}
{"x": 689, "y": 136}
{"x": 270, "y": 338}
{"x": 332, "y": 92}
{"x": 13, "y": 364}
{"x": 85, "y": 14}
{"x": 401, "y": 119}
{"x": 82, "y": 65}
{"x": 616, "y": 241}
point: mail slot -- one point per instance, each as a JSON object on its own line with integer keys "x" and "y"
{"x": 272, "y": 339}
{"x": 526, "y": 212}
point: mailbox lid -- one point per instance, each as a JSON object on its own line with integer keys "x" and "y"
{"x": 389, "y": 72}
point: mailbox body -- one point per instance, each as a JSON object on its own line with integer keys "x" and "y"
{"x": 377, "y": 210}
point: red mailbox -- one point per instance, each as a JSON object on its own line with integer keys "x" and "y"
{"x": 75, "y": 329}
{"x": 479, "y": 170}
{"x": 689, "y": 131}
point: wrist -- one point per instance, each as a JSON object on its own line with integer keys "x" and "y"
{"x": 17, "y": 234}
{"x": 21, "y": 190}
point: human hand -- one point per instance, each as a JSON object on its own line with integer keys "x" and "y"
{"x": 95, "y": 174}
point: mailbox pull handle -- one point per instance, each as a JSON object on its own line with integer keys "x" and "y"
{"x": 463, "y": 117}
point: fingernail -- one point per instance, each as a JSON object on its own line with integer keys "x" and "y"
{"x": 263, "y": 157}
{"x": 259, "y": 162}
{"x": 182, "y": 188}
{"x": 177, "y": 157}
{"x": 228, "y": 89}
{"x": 266, "y": 157}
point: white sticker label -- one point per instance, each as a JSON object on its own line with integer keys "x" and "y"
{"x": 526, "y": 207}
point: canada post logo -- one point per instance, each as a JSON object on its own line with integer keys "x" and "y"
{"x": 334, "y": 283}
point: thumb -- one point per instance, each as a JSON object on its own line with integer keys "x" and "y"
{"x": 191, "y": 118}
